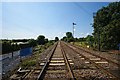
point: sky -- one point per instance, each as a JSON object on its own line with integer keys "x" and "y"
{"x": 52, "y": 19}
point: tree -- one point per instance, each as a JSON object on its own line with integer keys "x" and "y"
{"x": 41, "y": 40}
{"x": 20, "y": 40}
{"x": 82, "y": 39}
{"x": 56, "y": 39}
{"x": 107, "y": 26}
{"x": 90, "y": 40}
{"x": 69, "y": 37}
{"x": 64, "y": 38}
{"x": 46, "y": 40}
{"x": 76, "y": 39}
{"x": 32, "y": 42}
{"x": 6, "y": 47}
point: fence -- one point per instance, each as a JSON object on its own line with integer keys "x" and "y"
{"x": 11, "y": 60}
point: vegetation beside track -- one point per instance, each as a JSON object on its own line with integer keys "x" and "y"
{"x": 85, "y": 45}
{"x": 31, "y": 61}
{"x": 9, "y": 46}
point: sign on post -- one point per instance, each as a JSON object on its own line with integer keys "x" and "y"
{"x": 26, "y": 51}
{"x": 119, "y": 46}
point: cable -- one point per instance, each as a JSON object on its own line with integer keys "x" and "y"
{"x": 82, "y": 8}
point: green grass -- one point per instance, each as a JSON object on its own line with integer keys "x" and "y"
{"x": 33, "y": 60}
{"x": 28, "y": 63}
{"x": 82, "y": 44}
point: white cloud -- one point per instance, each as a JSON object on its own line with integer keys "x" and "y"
{"x": 87, "y": 34}
{"x": 81, "y": 33}
{"x": 84, "y": 34}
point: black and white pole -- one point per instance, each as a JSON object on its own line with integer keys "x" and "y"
{"x": 73, "y": 29}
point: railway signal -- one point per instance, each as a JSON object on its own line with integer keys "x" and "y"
{"x": 73, "y": 28}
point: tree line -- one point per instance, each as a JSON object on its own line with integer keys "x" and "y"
{"x": 17, "y": 44}
{"x": 107, "y": 26}
{"x": 89, "y": 39}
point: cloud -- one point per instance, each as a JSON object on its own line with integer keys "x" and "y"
{"x": 59, "y": 35}
{"x": 84, "y": 34}
{"x": 81, "y": 33}
{"x": 87, "y": 34}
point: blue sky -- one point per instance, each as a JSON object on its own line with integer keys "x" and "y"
{"x": 30, "y": 19}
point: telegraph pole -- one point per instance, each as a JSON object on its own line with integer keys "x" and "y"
{"x": 73, "y": 30}
{"x": 94, "y": 14}
{"x": 99, "y": 39}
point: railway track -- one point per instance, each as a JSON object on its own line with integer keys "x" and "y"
{"x": 66, "y": 62}
{"x": 107, "y": 59}
{"x": 55, "y": 66}
{"x": 28, "y": 74}
{"x": 106, "y": 66}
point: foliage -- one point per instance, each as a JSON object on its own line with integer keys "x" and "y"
{"x": 68, "y": 37}
{"x": 25, "y": 45}
{"x": 20, "y": 40}
{"x": 90, "y": 40}
{"x": 107, "y": 26}
{"x": 32, "y": 42}
{"x": 8, "y": 47}
{"x": 64, "y": 38}
{"x": 69, "y": 34}
{"x": 46, "y": 40}
{"x": 82, "y": 39}
{"x": 41, "y": 40}
{"x": 56, "y": 39}
{"x": 76, "y": 39}
{"x": 82, "y": 44}
{"x": 28, "y": 63}
{"x": 71, "y": 39}
{"x": 14, "y": 45}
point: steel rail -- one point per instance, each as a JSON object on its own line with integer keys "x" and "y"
{"x": 68, "y": 64}
{"x": 43, "y": 71}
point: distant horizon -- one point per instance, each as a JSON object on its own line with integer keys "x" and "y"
{"x": 52, "y": 19}
{"x": 33, "y": 38}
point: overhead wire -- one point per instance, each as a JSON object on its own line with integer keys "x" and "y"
{"x": 83, "y": 9}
